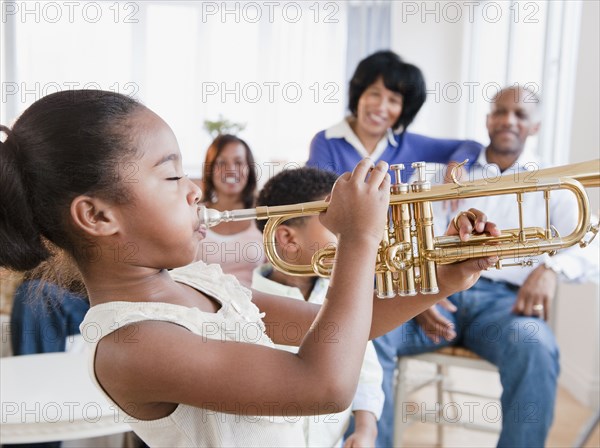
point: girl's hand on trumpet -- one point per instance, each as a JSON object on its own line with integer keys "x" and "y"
{"x": 457, "y": 277}
{"x": 472, "y": 220}
{"x": 359, "y": 203}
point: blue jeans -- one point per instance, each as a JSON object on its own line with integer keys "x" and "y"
{"x": 523, "y": 348}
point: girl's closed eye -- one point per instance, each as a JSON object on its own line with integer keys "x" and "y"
{"x": 177, "y": 177}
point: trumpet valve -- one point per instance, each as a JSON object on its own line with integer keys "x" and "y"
{"x": 398, "y": 186}
{"x": 421, "y": 184}
{"x": 384, "y": 282}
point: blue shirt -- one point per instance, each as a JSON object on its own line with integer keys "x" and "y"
{"x": 338, "y": 149}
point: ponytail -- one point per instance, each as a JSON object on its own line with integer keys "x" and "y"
{"x": 22, "y": 247}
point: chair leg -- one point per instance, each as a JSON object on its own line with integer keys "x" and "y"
{"x": 441, "y": 372}
{"x": 400, "y": 420}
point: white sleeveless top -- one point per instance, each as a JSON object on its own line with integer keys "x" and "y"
{"x": 238, "y": 319}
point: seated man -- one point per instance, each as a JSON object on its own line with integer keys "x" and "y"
{"x": 503, "y": 316}
{"x": 296, "y": 241}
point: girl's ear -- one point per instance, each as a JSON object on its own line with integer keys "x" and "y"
{"x": 93, "y": 216}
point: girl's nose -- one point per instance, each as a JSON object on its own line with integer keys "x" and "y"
{"x": 195, "y": 194}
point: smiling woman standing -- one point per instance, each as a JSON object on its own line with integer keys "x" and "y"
{"x": 385, "y": 96}
{"x": 229, "y": 183}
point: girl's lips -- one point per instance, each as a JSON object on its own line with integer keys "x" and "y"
{"x": 202, "y": 229}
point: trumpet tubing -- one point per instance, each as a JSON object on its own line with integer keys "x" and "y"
{"x": 409, "y": 252}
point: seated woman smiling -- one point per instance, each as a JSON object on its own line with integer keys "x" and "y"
{"x": 229, "y": 183}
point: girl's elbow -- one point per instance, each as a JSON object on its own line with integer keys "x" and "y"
{"x": 339, "y": 392}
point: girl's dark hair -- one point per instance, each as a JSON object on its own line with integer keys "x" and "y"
{"x": 213, "y": 151}
{"x": 66, "y": 144}
{"x": 398, "y": 76}
{"x": 295, "y": 186}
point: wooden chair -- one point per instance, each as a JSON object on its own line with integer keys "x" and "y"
{"x": 408, "y": 412}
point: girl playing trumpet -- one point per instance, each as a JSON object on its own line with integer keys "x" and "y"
{"x": 188, "y": 355}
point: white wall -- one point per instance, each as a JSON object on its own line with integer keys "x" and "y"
{"x": 578, "y": 319}
{"x": 436, "y": 47}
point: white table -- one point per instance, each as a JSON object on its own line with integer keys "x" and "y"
{"x": 50, "y": 397}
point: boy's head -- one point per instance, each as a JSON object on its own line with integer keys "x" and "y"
{"x": 298, "y": 238}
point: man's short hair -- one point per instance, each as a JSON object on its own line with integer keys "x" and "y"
{"x": 530, "y": 96}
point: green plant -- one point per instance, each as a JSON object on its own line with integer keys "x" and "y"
{"x": 223, "y": 126}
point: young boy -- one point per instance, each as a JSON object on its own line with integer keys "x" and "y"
{"x": 296, "y": 242}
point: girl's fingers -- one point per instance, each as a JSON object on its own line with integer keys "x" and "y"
{"x": 362, "y": 169}
{"x": 480, "y": 220}
{"x": 379, "y": 175}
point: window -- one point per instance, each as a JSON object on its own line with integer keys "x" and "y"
{"x": 278, "y": 67}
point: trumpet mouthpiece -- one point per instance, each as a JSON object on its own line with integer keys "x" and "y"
{"x": 211, "y": 217}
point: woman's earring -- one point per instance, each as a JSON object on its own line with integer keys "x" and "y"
{"x": 213, "y": 197}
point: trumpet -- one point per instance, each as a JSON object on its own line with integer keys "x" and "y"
{"x": 409, "y": 252}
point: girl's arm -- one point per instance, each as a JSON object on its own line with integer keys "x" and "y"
{"x": 149, "y": 367}
{"x": 284, "y": 317}
{"x": 286, "y": 320}
{"x": 161, "y": 364}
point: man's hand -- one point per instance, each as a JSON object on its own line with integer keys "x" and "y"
{"x": 536, "y": 294}
{"x": 435, "y": 325}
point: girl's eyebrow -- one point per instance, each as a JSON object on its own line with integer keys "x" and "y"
{"x": 167, "y": 158}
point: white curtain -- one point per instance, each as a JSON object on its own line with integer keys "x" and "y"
{"x": 369, "y": 30}
{"x": 278, "y": 67}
